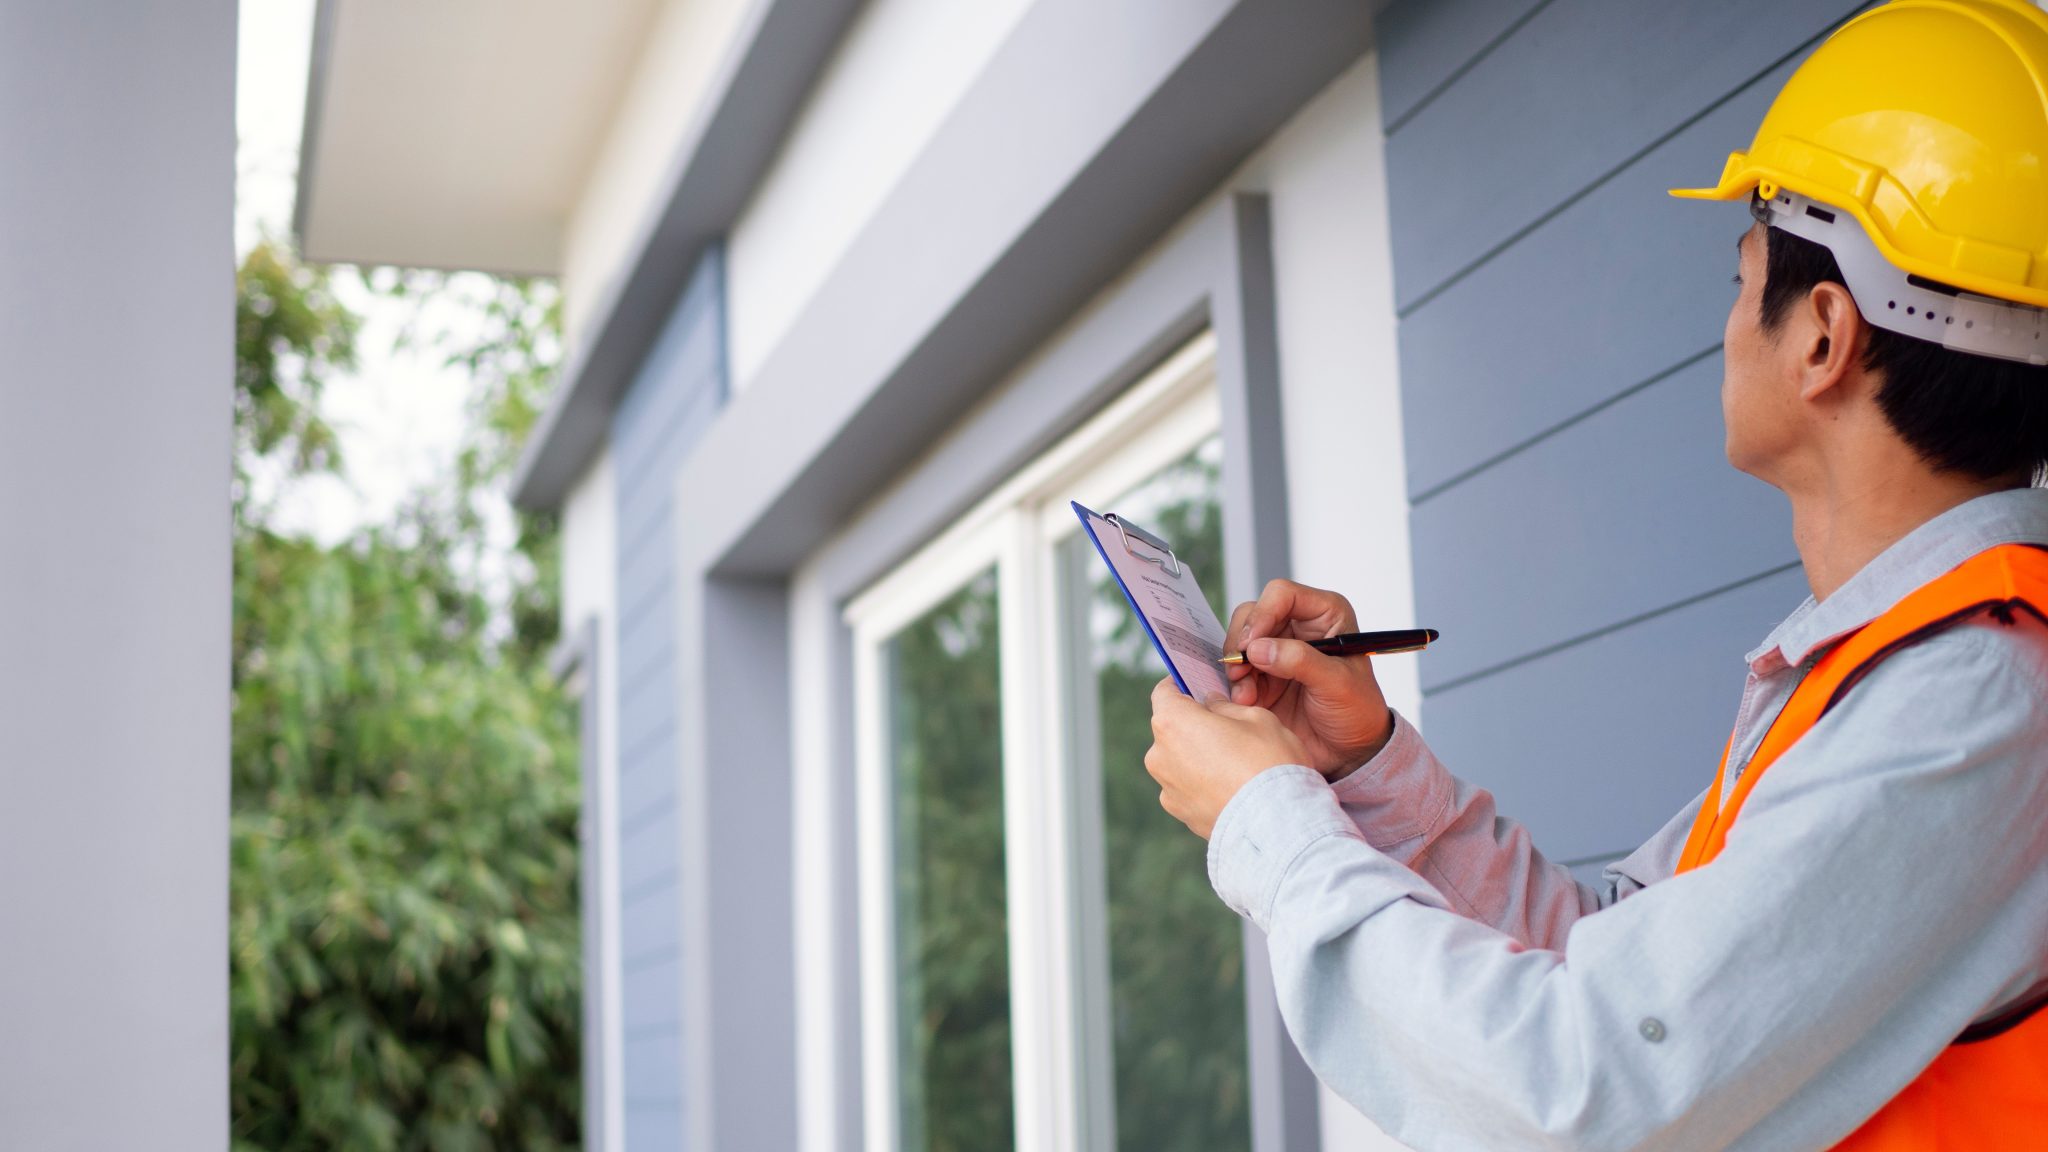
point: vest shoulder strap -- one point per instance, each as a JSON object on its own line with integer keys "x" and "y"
{"x": 2003, "y": 582}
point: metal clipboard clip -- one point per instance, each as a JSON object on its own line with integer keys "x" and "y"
{"x": 1127, "y": 530}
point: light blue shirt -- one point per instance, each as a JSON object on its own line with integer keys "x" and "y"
{"x": 1885, "y": 886}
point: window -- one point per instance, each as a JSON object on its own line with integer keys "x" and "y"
{"x": 952, "y": 962}
{"x": 1169, "y": 958}
{"x": 1040, "y": 935}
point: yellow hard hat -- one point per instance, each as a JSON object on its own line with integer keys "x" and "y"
{"x": 1926, "y": 121}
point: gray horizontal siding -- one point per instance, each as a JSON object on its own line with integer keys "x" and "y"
{"x": 1596, "y": 746}
{"x": 1573, "y": 95}
{"x": 1425, "y": 47}
{"x": 1620, "y": 515}
{"x": 1597, "y": 568}
{"x": 1617, "y": 288}
{"x": 672, "y": 401}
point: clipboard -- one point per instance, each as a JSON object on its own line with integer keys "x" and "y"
{"x": 1169, "y": 603}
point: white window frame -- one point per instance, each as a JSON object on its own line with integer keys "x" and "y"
{"x": 1057, "y": 953}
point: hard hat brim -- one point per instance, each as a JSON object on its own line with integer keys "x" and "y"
{"x": 1738, "y": 180}
{"x": 1743, "y": 175}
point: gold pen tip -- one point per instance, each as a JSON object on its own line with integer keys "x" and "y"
{"x": 1236, "y": 658}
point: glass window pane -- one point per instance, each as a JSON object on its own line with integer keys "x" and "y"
{"x": 1176, "y": 959}
{"x": 952, "y": 939}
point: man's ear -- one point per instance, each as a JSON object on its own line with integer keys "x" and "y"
{"x": 1833, "y": 340}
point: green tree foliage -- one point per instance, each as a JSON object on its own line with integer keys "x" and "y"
{"x": 404, "y": 923}
{"x": 291, "y": 335}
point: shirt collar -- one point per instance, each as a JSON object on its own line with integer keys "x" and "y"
{"x": 2018, "y": 516}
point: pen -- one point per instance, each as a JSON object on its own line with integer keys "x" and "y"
{"x": 1364, "y": 643}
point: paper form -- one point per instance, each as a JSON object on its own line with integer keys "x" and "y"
{"x": 1168, "y": 602}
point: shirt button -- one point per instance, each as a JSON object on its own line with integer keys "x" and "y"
{"x": 1652, "y": 1029}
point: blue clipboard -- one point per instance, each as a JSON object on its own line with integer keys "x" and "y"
{"x": 1196, "y": 636}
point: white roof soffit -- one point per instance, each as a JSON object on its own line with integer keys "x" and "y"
{"x": 457, "y": 134}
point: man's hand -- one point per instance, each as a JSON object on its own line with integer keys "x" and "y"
{"x": 1331, "y": 704}
{"x": 1203, "y": 753}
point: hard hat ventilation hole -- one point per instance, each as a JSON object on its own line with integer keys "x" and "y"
{"x": 1892, "y": 304}
{"x": 1909, "y": 310}
{"x": 1820, "y": 214}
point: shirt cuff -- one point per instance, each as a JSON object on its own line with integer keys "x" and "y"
{"x": 1403, "y": 749}
{"x": 1258, "y": 836}
{"x": 1399, "y": 793}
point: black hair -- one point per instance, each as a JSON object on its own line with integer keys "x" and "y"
{"x": 1977, "y": 415}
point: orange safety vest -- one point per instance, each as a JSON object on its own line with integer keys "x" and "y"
{"x": 1989, "y": 1089}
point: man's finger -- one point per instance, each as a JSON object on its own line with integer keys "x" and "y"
{"x": 1240, "y": 618}
{"x": 1234, "y": 637}
{"x": 1167, "y": 699}
{"x": 1244, "y": 690}
{"x": 1284, "y": 603}
{"x": 1296, "y": 660}
{"x": 1231, "y": 711}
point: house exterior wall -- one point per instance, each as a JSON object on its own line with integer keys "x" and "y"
{"x": 115, "y": 443}
{"x": 1095, "y": 178}
{"x": 672, "y": 401}
{"x": 1596, "y": 567}
{"x": 1322, "y": 172}
{"x": 900, "y": 69}
{"x": 685, "y": 42}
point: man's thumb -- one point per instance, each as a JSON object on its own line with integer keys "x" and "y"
{"x": 1292, "y": 660}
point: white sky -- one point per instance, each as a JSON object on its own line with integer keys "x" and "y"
{"x": 401, "y": 417}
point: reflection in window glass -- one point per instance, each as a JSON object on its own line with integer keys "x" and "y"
{"x": 952, "y": 940}
{"x": 1176, "y": 959}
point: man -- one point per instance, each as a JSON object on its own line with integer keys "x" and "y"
{"x": 1843, "y": 942}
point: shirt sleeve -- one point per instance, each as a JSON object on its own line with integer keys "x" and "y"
{"x": 1879, "y": 892}
{"x": 1405, "y": 803}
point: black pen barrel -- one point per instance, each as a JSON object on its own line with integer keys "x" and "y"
{"x": 1369, "y": 643}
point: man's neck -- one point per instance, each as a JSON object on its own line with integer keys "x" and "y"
{"x": 1843, "y": 522}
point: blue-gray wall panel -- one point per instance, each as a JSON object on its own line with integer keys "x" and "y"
{"x": 1621, "y": 514}
{"x": 1596, "y": 746}
{"x": 1423, "y": 44}
{"x": 653, "y": 1067}
{"x": 647, "y": 543}
{"x": 650, "y": 929}
{"x": 652, "y": 709}
{"x": 690, "y": 348}
{"x": 1576, "y": 92}
{"x": 659, "y": 993}
{"x": 1601, "y": 297}
{"x": 647, "y": 861}
{"x": 672, "y": 401}
{"x": 655, "y": 1123}
{"x": 644, "y": 775}
{"x": 645, "y": 661}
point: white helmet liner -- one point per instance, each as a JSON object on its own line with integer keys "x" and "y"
{"x": 1891, "y": 299}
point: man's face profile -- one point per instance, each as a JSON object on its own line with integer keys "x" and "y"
{"x": 1752, "y": 387}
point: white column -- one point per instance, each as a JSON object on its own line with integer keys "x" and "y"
{"x": 116, "y": 349}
